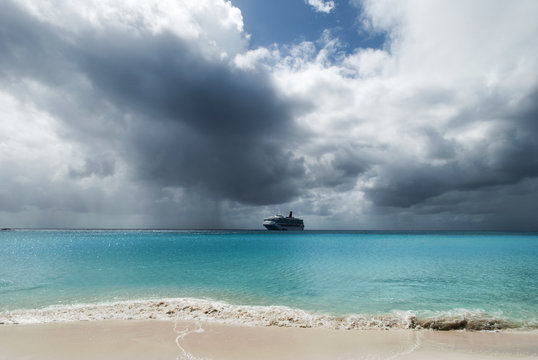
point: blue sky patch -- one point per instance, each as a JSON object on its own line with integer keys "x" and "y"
{"x": 287, "y": 22}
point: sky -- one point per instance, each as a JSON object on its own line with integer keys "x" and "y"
{"x": 355, "y": 114}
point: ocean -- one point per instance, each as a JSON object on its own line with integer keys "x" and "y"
{"x": 332, "y": 279}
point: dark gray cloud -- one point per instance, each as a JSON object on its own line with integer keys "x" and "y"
{"x": 344, "y": 167}
{"x": 201, "y": 124}
{"x": 193, "y": 121}
{"x": 505, "y": 207}
{"x": 438, "y": 146}
{"x": 30, "y": 48}
{"x": 507, "y": 155}
{"x": 102, "y": 165}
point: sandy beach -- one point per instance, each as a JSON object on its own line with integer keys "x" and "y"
{"x": 154, "y": 339}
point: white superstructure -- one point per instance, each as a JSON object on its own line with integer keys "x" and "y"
{"x": 279, "y": 222}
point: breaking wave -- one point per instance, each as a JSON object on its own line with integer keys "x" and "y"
{"x": 221, "y": 312}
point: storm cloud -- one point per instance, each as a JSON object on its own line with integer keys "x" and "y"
{"x": 505, "y": 156}
{"x": 175, "y": 116}
{"x": 198, "y": 123}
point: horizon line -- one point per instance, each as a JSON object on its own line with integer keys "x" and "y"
{"x": 6, "y": 229}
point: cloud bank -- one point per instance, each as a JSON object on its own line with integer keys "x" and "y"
{"x": 158, "y": 114}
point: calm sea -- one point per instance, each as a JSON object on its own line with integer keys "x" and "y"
{"x": 370, "y": 279}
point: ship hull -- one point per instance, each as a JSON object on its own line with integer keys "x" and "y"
{"x": 279, "y": 225}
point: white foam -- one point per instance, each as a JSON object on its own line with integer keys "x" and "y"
{"x": 185, "y": 355}
{"x": 202, "y": 310}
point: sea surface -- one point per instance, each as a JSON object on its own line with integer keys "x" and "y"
{"x": 438, "y": 280}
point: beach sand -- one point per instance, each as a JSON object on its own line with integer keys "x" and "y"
{"x": 153, "y": 339}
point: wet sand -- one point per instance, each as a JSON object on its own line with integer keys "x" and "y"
{"x": 154, "y": 339}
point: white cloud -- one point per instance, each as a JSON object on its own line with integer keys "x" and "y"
{"x": 215, "y": 25}
{"x": 252, "y": 58}
{"x": 324, "y": 6}
{"x": 24, "y": 130}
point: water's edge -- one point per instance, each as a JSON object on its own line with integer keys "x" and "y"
{"x": 280, "y": 316}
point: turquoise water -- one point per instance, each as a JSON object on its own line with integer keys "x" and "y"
{"x": 337, "y": 273}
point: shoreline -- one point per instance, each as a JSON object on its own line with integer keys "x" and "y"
{"x": 156, "y": 339}
{"x": 219, "y": 312}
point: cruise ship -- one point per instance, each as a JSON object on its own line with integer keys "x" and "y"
{"x": 281, "y": 223}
